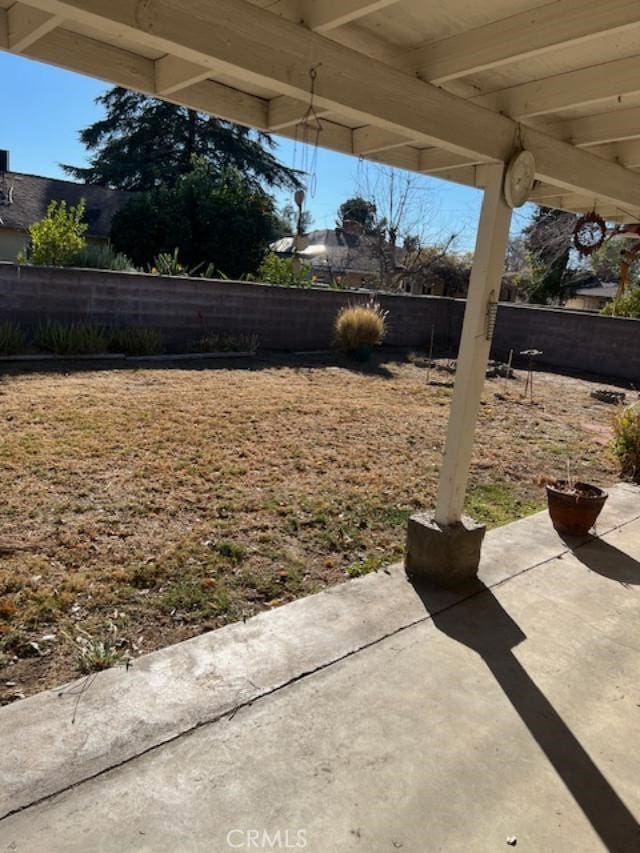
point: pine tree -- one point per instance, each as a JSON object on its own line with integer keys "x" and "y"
{"x": 548, "y": 240}
{"x": 144, "y": 143}
{"x": 359, "y": 210}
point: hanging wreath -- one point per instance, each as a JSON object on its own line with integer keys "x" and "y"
{"x": 589, "y": 233}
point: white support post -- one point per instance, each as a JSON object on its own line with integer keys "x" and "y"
{"x": 473, "y": 354}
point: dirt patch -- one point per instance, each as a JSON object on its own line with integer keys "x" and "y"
{"x": 151, "y": 505}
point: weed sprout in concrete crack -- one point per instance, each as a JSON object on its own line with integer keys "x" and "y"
{"x": 97, "y": 653}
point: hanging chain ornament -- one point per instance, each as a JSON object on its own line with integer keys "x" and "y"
{"x": 589, "y": 233}
{"x": 308, "y": 132}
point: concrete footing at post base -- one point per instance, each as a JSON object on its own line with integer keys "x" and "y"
{"x": 445, "y": 554}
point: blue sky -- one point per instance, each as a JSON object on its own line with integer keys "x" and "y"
{"x": 43, "y": 108}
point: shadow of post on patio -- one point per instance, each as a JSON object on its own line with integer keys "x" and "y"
{"x": 482, "y": 624}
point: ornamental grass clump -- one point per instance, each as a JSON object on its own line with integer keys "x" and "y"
{"x": 71, "y": 338}
{"x": 626, "y": 442}
{"x": 12, "y": 339}
{"x": 136, "y": 340}
{"x": 358, "y": 328}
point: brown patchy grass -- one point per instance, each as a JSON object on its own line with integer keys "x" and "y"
{"x": 152, "y": 505}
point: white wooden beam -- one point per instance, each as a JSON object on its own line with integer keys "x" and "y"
{"x": 435, "y": 160}
{"x": 325, "y": 15}
{"x": 555, "y": 197}
{"x": 407, "y": 158}
{"x": 612, "y": 126}
{"x": 365, "y": 41}
{"x": 285, "y": 111}
{"x": 580, "y": 204}
{"x": 256, "y": 47}
{"x": 25, "y": 26}
{"x": 571, "y": 89}
{"x": 526, "y": 34}
{"x": 548, "y": 169}
{"x": 367, "y": 140}
{"x": 334, "y": 137}
{"x": 549, "y": 196}
{"x": 468, "y": 176}
{"x": 475, "y": 344}
{"x": 543, "y": 192}
{"x": 96, "y": 59}
{"x": 173, "y": 74}
{"x": 626, "y": 153}
{"x": 224, "y": 102}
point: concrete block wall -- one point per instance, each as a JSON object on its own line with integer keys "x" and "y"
{"x": 286, "y": 318}
{"x": 283, "y": 318}
{"x": 573, "y": 341}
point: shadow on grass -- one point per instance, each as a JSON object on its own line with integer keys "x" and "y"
{"x": 482, "y": 624}
{"x": 376, "y": 366}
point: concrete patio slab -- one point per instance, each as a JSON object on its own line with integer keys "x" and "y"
{"x": 372, "y": 717}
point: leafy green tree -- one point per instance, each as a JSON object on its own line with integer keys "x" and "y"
{"x": 285, "y": 271}
{"x": 605, "y": 262}
{"x": 58, "y": 238}
{"x": 210, "y": 217}
{"x": 627, "y": 305}
{"x": 359, "y": 210}
{"x": 287, "y": 221}
{"x": 143, "y": 143}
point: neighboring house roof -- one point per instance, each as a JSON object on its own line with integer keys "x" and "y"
{"x": 24, "y": 200}
{"x": 606, "y": 290}
{"x": 338, "y": 252}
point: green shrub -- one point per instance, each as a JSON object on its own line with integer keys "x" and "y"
{"x": 227, "y": 343}
{"x": 136, "y": 340}
{"x": 12, "y": 338}
{"x": 104, "y": 258}
{"x": 58, "y": 238}
{"x": 625, "y": 306}
{"x": 71, "y": 338}
{"x": 626, "y": 442}
{"x": 212, "y": 214}
{"x": 285, "y": 271}
{"x": 360, "y": 326}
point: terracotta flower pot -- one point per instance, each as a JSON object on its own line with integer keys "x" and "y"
{"x": 574, "y": 512}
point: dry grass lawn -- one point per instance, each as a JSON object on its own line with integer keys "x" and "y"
{"x": 143, "y": 506}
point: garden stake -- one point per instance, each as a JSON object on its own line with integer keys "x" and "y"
{"x": 433, "y": 328}
{"x": 506, "y": 376}
{"x": 531, "y": 354}
{"x": 569, "y": 483}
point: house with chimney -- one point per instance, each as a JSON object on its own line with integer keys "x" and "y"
{"x": 346, "y": 255}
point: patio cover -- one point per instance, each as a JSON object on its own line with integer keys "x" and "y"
{"x": 435, "y": 86}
